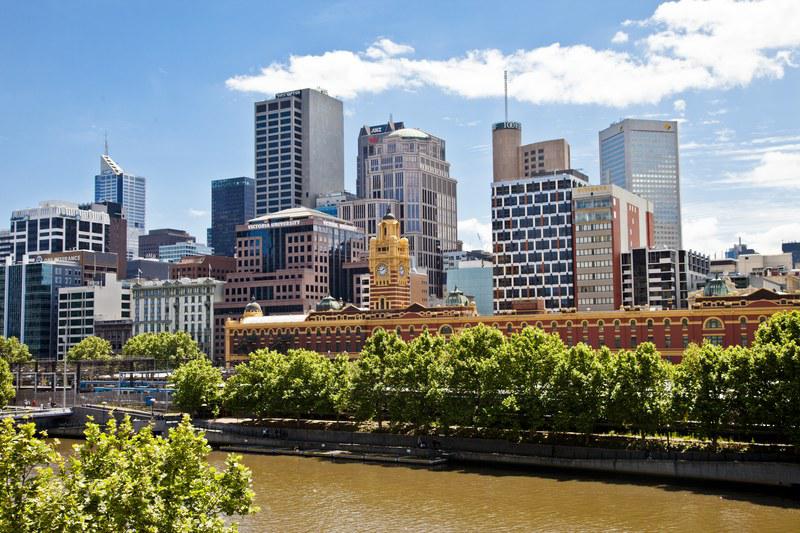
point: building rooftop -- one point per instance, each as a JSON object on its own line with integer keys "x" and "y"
{"x": 295, "y": 213}
{"x": 409, "y": 133}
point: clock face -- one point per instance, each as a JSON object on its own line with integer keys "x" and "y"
{"x": 382, "y": 269}
{"x": 402, "y": 270}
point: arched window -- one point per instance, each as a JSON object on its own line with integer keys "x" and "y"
{"x": 446, "y": 330}
{"x": 600, "y": 324}
{"x": 633, "y": 323}
{"x": 713, "y": 323}
{"x": 667, "y": 322}
{"x": 743, "y": 322}
{"x": 509, "y": 327}
{"x": 684, "y": 323}
{"x": 761, "y": 319}
{"x": 649, "y": 322}
{"x": 539, "y": 325}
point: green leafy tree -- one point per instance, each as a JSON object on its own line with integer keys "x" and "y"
{"x": 118, "y": 480}
{"x": 639, "y": 394}
{"x": 340, "y": 384}
{"x": 528, "y": 366}
{"x": 27, "y": 477}
{"x": 702, "y": 388}
{"x": 257, "y": 387}
{"x": 171, "y": 348}
{"x": 370, "y": 395}
{"x": 579, "y": 389}
{"x": 777, "y": 372}
{"x": 473, "y": 359}
{"x": 419, "y": 375}
{"x": 14, "y": 351}
{"x": 197, "y": 387}
{"x": 7, "y": 391}
{"x": 306, "y": 384}
{"x": 91, "y": 349}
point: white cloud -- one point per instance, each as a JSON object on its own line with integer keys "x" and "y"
{"x": 703, "y": 235}
{"x": 197, "y": 213}
{"x": 775, "y": 169}
{"x": 387, "y": 48}
{"x": 717, "y": 44}
{"x": 620, "y": 37}
{"x": 476, "y": 235}
{"x": 679, "y": 106}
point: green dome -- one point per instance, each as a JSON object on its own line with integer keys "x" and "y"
{"x": 329, "y": 303}
{"x": 456, "y": 298}
{"x": 252, "y": 309}
{"x": 716, "y": 287}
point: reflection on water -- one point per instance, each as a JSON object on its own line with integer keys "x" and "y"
{"x": 303, "y": 494}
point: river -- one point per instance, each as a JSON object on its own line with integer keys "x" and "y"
{"x": 298, "y": 494}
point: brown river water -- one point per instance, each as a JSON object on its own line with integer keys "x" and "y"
{"x": 299, "y": 494}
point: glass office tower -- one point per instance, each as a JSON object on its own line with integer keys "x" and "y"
{"x": 29, "y": 302}
{"x": 233, "y": 202}
{"x": 642, "y": 157}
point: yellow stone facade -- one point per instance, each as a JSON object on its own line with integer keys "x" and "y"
{"x": 389, "y": 267}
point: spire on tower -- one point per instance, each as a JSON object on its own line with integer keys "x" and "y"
{"x": 105, "y": 144}
{"x": 505, "y": 84}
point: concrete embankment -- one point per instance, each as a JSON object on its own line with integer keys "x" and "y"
{"x": 766, "y": 469}
{"x": 754, "y": 468}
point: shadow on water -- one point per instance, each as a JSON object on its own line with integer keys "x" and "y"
{"x": 780, "y": 497}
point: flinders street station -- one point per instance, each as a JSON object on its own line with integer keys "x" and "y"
{"x": 717, "y": 314}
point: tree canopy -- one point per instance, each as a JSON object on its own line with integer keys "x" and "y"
{"x": 14, "y": 351}
{"x": 7, "y": 391}
{"x": 118, "y": 480}
{"x": 197, "y": 387}
{"x": 173, "y": 349}
{"x": 91, "y": 349}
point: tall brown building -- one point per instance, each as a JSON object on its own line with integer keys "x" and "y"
{"x": 389, "y": 267}
{"x": 511, "y": 160}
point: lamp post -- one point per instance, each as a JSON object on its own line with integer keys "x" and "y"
{"x": 64, "y": 384}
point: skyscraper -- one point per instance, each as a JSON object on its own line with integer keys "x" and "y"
{"x": 233, "y": 202}
{"x": 299, "y": 147}
{"x": 642, "y": 157}
{"x": 532, "y": 238}
{"x": 114, "y": 185}
{"x": 409, "y": 176}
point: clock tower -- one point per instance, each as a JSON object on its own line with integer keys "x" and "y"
{"x": 389, "y": 265}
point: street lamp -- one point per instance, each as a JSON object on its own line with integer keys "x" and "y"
{"x": 64, "y": 384}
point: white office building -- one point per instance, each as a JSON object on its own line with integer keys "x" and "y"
{"x": 177, "y": 305}
{"x": 80, "y": 307}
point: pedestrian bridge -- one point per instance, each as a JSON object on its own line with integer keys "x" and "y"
{"x": 35, "y": 413}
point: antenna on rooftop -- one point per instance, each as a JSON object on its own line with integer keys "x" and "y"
{"x": 105, "y": 147}
{"x": 505, "y": 83}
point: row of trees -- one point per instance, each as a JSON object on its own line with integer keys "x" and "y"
{"x": 118, "y": 480}
{"x": 527, "y": 382}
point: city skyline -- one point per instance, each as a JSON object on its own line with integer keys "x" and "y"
{"x": 178, "y": 114}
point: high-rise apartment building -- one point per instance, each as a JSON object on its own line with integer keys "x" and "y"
{"x": 661, "y": 278}
{"x": 512, "y": 160}
{"x": 642, "y": 157}
{"x": 150, "y": 244}
{"x": 233, "y": 202}
{"x": 59, "y": 227}
{"x": 114, "y": 185}
{"x": 532, "y": 238}
{"x": 29, "y": 301}
{"x": 299, "y": 147}
{"x": 608, "y": 222}
{"x": 409, "y": 176}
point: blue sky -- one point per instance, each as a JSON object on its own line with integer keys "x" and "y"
{"x": 173, "y": 84}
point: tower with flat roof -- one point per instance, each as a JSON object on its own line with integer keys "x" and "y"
{"x": 299, "y": 149}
